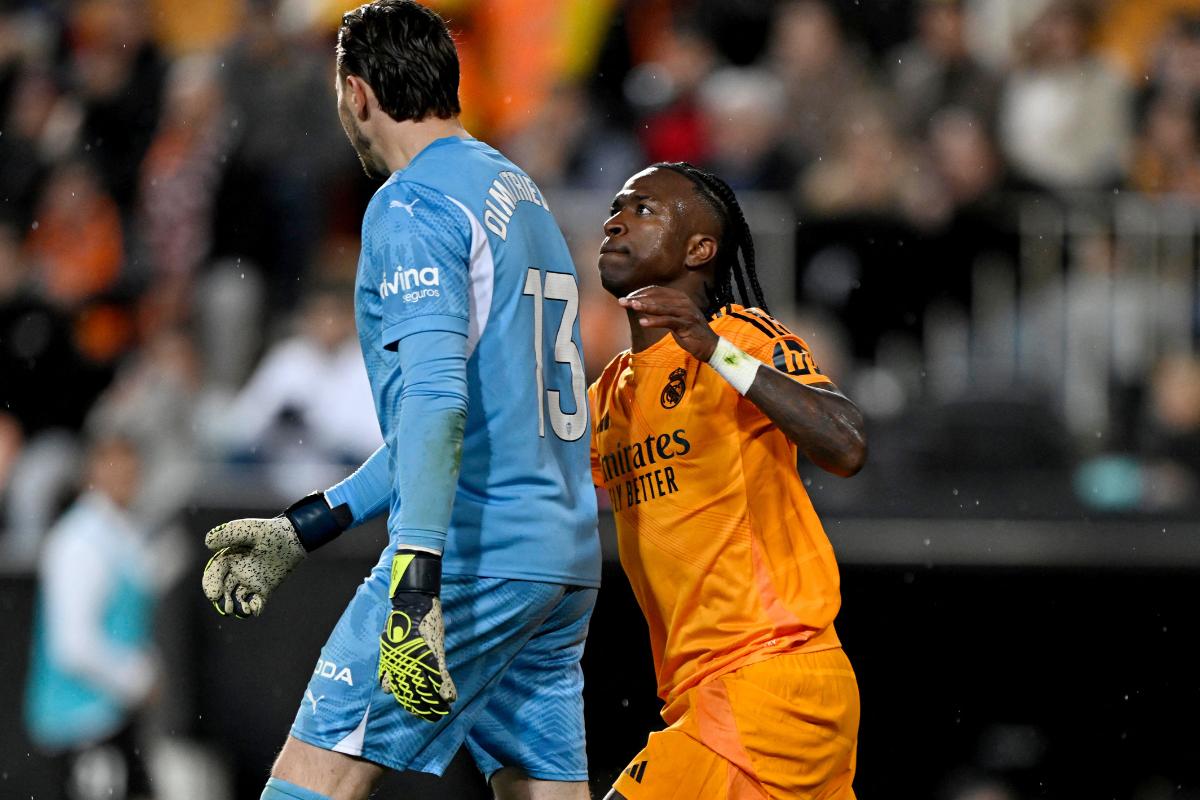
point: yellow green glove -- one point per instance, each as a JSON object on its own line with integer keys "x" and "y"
{"x": 412, "y": 648}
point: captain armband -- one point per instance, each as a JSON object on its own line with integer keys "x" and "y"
{"x": 734, "y": 365}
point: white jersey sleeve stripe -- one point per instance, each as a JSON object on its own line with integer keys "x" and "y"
{"x": 483, "y": 279}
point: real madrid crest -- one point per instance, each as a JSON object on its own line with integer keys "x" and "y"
{"x": 672, "y": 393}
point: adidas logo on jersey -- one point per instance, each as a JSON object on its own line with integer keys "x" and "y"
{"x": 415, "y": 283}
{"x": 637, "y": 771}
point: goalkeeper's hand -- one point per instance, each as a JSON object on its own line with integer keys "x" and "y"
{"x": 412, "y": 647}
{"x": 253, "y": 556}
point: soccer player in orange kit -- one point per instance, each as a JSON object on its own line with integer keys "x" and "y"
{"x": 695, "y": 440}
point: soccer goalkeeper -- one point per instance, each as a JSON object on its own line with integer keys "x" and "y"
{"x": 487, "y": 585}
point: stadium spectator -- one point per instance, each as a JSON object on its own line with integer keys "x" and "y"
{"x": 153, "y": 402}
{"x": 93, "y": 669}
{"x": 516, "y": 52}
{"x": 117, "y": 75}
{"x": 869, "y": 168}
{"x": 45, "y": 392}
{"x": 978, "y": 222}
{"x": 306, "y": 411}
{"x": 821, "y": 72}
{"x": 76, "y": 244}
{"x": 664, "y": 89}
{"x": 28, "y": 102}
{"x": 743, "y": 116}
{"x": 1171, "y": 434}
{"x": 936, "y": 70}
{"x": 179, "y": 181}
{"x": 1174, "y": 63}
{"x": 286, "y": 152}
{"x": 566, "y": 144}
{"x": 1166, "y": 153}
{"x": 995, "y": 29}
{"x": 1065, "y": 114}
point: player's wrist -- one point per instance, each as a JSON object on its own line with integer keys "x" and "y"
{"x": 734, "y": 365}
{"x": 415, "y": 571}
{"x": 708, "y": 344}
{"x": 317, "y": 522}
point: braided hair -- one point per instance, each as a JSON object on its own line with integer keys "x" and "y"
{"x": 735, "y": 237}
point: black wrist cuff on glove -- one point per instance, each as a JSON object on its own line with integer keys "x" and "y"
{"x": 315, "y": 522}
{"x": 423, "y": 573}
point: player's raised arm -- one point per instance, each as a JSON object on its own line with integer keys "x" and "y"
{"x": 826, "y": 426}
{"x": 824, "y": 423}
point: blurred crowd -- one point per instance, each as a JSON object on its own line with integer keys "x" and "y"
{"x": 179, "y": 211}
{"x": 179, "y": 217}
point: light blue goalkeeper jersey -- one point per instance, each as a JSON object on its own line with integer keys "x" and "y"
{"x": 462, "y": 244}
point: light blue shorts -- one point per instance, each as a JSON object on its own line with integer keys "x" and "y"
{"x": 513, "y": 648}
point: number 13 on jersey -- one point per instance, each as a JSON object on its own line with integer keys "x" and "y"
{"x": 560, "y": 286}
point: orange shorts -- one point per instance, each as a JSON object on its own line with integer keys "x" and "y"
{"x": 786, "y": 727}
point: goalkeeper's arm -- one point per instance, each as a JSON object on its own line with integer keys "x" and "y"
{"x": 431, "y": 417}
{"x": 252, "y": 556}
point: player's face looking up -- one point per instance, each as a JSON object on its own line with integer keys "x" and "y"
{"x": 661, "y": 233}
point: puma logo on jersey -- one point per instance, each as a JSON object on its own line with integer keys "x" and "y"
{"x": 308, "y": 695}
{"x": 328, "y": 669}
{"x": 406, "y": 206}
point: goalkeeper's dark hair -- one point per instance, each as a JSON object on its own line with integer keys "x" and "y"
{"x": 735, "y": 238}
{"x": 405, "y": 53}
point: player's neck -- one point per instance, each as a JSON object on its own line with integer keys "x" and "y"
{"x": 641, "y": 338}
{"x": 401, "y": 143}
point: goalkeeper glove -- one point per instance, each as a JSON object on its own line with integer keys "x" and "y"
{"x": 253, "y": 556}
{"x": 412, "y": 648}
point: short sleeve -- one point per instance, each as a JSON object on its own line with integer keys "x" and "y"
{"x": 597, "y": 473}
{"x": 420, "y": 245}
{"x": 769, "y": 340}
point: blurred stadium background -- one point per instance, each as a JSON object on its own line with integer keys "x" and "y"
{"x": 981, "y": 214}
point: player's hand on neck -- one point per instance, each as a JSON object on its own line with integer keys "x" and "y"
{"x": 656, "y": 310}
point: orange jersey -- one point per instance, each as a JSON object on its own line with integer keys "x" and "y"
{"x": 719, "y": 539}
